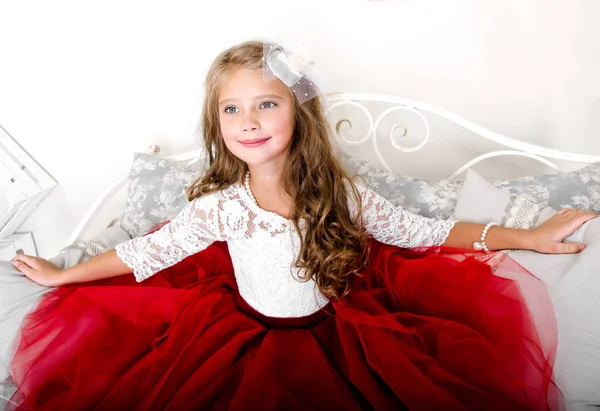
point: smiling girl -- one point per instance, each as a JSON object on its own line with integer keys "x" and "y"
{"x": 286, "y": 285}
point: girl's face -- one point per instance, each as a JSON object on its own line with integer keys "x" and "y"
{"x": 256, "y": 118}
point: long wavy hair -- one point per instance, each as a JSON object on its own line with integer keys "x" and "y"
{"x": 333, "y": 248}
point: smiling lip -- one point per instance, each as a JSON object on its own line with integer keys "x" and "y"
{"x": 254, "y": 143}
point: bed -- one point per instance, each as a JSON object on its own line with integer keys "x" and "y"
{"x": 421, "y": 157}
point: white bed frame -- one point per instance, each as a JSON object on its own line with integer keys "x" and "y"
{"x": 363, "y": 102}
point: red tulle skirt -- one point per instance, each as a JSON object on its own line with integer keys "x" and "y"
{"x": 429, "y": 329}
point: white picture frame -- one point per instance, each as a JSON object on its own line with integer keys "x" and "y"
{"x": 18, "y": 243}
{"x": 23, "y": 184}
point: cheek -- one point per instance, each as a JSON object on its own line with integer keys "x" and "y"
{"x": 227, "y": 135}
{"x": 290, "y": 124}
{"x": 284, "y": 124}
{"x": 226, "y": 130}
{"x": 290, "y": 117}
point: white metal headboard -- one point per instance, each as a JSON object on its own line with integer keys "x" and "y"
{"x": 513, "y": 147}
{"x": 360, "y": 101}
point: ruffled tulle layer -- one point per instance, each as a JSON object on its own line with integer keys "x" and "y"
{"x": 431, "y": 329}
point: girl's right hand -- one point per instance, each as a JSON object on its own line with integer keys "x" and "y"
{"x": 38, "y": 270}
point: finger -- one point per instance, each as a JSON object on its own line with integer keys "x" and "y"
{"x": 568, "y": 248}
{"x": 563, "y": 215}
{"x": 23, "y": 268}
{"x": 584, "y": 217}
{"x": 586, "y": 212}
{"x": 566, "y": 211}
{"x": 19, "y": 257}
{"x": 27, "y": 259}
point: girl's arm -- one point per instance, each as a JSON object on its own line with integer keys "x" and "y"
{"x": 395, "y": 226}
{"x": 197, "y": 226}
{"x": 463, "y": 235}
{"x": 45, "y": 273}
{"x": 547, "y": 238}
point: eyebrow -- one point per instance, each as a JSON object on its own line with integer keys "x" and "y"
{"x": 262, "y": 96}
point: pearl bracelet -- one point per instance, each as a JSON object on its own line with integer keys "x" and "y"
{"x": 480, "y": 245}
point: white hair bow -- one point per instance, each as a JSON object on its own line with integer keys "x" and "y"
{"x": 292, "y": 68}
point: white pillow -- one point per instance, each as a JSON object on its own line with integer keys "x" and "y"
{"x": 477, "y": 203}
{"x": 573, "y": 282}
{"x": 480, "y": 202}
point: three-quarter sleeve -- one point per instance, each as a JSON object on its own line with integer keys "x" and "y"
{"x": 396, "y": 226}
{"x": 192, "y": 230}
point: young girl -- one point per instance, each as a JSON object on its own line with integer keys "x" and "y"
{"x": 284, "y": 285}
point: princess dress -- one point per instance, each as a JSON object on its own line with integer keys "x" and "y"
{"x": 219, "y": 320}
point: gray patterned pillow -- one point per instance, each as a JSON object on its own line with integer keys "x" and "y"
{"x": 436, "y": 198}
{"x": 575, "y": 189}
{"x": 156, "y": 192}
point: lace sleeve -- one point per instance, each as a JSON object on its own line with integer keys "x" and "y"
{"x": 395, "y": 226}
{"x": 191, "y": 231}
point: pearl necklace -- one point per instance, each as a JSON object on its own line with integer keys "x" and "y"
{"x": 251, "y": 194}
{"x": 248, "y": 189}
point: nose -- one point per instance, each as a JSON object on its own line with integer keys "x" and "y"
{"x": 250, "y": 121}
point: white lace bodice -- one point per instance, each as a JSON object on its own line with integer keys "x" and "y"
{"x": 263, "y": 245}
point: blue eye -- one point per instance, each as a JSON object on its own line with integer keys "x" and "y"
{"x": 268, "y": 104}
{"x": 230, "y": 110}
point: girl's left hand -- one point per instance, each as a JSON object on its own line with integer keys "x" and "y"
{"x": 548, "y": 237}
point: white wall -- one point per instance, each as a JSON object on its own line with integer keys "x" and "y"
{"x": 83, "y": 85}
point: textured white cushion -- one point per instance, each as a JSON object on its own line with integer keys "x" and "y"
{"x": 19, "y": 295}
{"x": 573, "y": 281}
